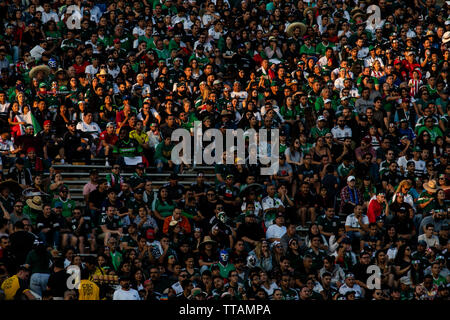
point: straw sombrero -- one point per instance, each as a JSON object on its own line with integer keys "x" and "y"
{"x": 292, "y": 26}
{"x": 431, "y": 186}
{"x": 102, "y": 73}
{"x": 225, "y": 113}
{"x": 35, "y": 203}
{"x": 305, "y": 12}
{"x": 206, "y": 240}
{"x": 358, "y": 14}
{"x": 36, "y": 69}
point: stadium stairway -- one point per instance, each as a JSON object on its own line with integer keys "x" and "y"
{"x": 76, "y": 175}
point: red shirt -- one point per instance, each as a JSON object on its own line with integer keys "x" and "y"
{"x": 109, "y": 138}
{"x": 375, "y": 209}
{"x": 80, "y": 69}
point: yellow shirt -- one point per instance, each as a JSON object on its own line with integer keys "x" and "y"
{"x": 12, "y": 286}
{"x": 140, "y": 138}
{"x": 88, "y": 290}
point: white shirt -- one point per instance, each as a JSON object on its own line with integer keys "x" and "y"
{"x": 241, "y": 96}
{"x": 92, "y": 127}
{"x": 420, "y": 166}
{"x": 6, "y": 145}
{"x": 49, "y": 16}
{"x": 37, "y": 52}
{"x": 353, "y": 222}
{"x": 363, "y": 52}
{"x": 114, "y": 72}
{"x": 275, "y": 231}
{"x": 401, "y": 162}
{"x": 178, "y": 288}
{"x": 340, "y": 134}
{"x": 137, "y": 30}
{"x": 207, "y": 18}
{"x": 431, "y": 242}
{"x": 130, "y": 294}
{"x": 4, "y": 107}
{"x": 344, "y": 289}
{"x": 91, "y": 71}
{"x": 153, "y": 139}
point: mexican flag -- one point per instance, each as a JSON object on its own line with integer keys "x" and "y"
{"x": 29, "y": 119}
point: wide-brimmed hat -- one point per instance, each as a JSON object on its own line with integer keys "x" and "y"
{"x": 35, "y": 203}
{"x": 446, "y": 37}
{"x": 290, "y": 29}
{"x": 206, "y": 240}
{"x": 225, "y": 113}
{"x": 44, "y": 68}
{"x": 102, "y": 73}
{"x": 430, "y": 186}
{"x": 358, "y": 14}
{"x": 12, "y": 185}
{"x": 305, "y": 12}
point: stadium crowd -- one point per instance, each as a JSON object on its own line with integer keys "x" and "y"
{"x": 360, "y": 99}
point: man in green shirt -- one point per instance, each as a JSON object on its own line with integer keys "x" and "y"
{"x": 307, "y": 47}
{"x": 425, "y": 200}
{"x": 320, "y": 129}
{"x": 63, "y": 200}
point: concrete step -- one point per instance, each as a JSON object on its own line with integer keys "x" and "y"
{"x": 129, "y": 174}
{"x": 99, "y": 167}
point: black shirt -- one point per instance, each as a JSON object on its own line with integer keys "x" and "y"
{"x": 57, "y": 282}
{"x": 21, "y": 243}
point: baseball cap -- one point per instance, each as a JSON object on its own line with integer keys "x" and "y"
{"x": 150, "y": 234}
{"x": 47, "y": 122}
{"x": 58, "y": 204}
{"x": 140, "y": 165}
{"x": 110, "y": 124}
{"x": 422, "y": 243}
{"x": 321, "y": 118}
{"x": 351, "y": 178}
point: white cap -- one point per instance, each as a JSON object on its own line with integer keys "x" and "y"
{"x": 326, "y": 101}
{"x": 350, "y": 178}
{"x": 446, "y": 37}
{"x": 321, "y": 118}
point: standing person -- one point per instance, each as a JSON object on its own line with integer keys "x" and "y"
{"x": 57, "y": 282}
{"x": 39, "y": 261}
